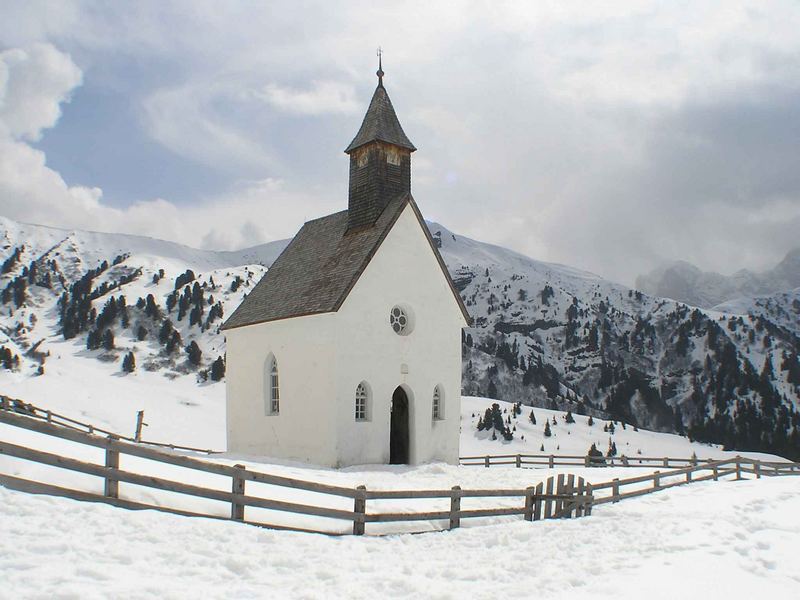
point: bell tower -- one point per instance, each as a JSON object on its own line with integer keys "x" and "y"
{"x": 380, "y": 160}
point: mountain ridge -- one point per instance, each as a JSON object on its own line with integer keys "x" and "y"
{"x": 685, "y": 282}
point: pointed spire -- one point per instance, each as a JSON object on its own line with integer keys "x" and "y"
{"x": 379, "y": 72}
{"x": 380, "y": 123}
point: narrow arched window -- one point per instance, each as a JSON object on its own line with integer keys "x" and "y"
{"x": 273, "y": 395}
{"x": 362, "y": 401}
{"x": 438, "y": 412}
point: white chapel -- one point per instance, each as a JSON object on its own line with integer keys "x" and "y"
{"x": 348, "y": 351}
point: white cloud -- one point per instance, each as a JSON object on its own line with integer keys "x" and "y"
{"x": 323, "y": 97}
{"x": 33, "y": 84}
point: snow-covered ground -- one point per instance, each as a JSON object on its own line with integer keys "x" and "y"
{"x": 179, "y": 411}
{"x": 725, "y": 540}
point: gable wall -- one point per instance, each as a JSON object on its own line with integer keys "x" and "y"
{"x": 403, "y": 271}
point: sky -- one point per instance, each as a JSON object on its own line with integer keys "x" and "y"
{"x": 608, "y": 136}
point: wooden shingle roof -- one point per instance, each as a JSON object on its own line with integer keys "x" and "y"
{"x": 319, "y": 267}
{"x": 381, "y": 124}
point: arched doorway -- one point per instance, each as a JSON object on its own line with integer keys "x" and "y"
{"x": 399, "y": 435}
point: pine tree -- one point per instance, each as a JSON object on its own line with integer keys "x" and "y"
{"x": 129, "y": 363}
{"x": 569, "y": 418}
{"x": 108, "y": 340}
{"x": 141, "y": 333}
{"x": 173, "y": 342}
{"x": 194, "y": 353}
{"x": 165, "y": 332}
{"x": 612, "y": 448}
{"x": 217, "y": 369}
{"x": 596, "y": 457}
{"x": 590, "y": 422}
{"x": 547, "y": 432}
{"x": 532, "y": 418}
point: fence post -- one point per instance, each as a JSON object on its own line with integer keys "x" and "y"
{"x": 360, "y": 510}
{"x": 486, "y": 461}
{"x": 579, "y": 504}
{"x": 559, "y": 507}
{"x": 551, "y": 462}
{"x": 519, "y": 461}
{"x": 529, "y": 493}
{"x": 137, "y": 436}
{"x": 666, "y": 462}
{"x": 757, "y": 469}
{"x": 537, "y": 503}
{"x": 586, "y": 460}
{"x": 111, "y": 486}
{"x": 237, "y": 488}
{"x": 589, "y": 501}
{"x": 656, "y": 480}
{"x": 5, "y": 403}
{"x": 738, "y": 468}
{"x": 624, "y": 461}
{"x": 615, "y": 489}
{"x": 49, "y": 417}
{"x": 548, "y": 502}
{"x": 455, "y": 507}
{"x": 716, "y": 472}
{"x": 570, "y": 504}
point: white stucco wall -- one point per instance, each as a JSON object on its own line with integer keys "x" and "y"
{"x": 304, "y": 349}
{"x": 404, "y": 271}
{"x": 322, "y": 359}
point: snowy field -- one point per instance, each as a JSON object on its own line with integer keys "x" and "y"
{"x": 727, "y": 540}
{"x": 724, "y": 540}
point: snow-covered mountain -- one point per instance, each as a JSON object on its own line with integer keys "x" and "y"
{"x": 544, "y": 334}
{"x": 684, "y": 282}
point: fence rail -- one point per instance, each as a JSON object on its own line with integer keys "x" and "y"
{"x": 565, "y": 460}
{"x": 558, "y": 497}
{"x": 36, "y": 412}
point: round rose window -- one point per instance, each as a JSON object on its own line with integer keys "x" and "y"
{"x": 399, "y": 320}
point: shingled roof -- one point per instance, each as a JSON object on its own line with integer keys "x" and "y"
{"x": 319, "y": 267}
{"x": 380, "y": 124}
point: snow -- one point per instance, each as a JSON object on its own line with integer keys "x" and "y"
{"x": 711, "y": 540}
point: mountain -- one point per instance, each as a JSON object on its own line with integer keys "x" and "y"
{"x": 544, "y": 334}
{"x": 684, "y": 282}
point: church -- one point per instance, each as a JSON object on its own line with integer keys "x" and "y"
{"x": 348, "y": 351}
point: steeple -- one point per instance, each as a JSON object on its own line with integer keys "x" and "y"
{"x": 380, "y": 160}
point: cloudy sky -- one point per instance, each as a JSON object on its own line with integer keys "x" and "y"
{"x": 607, "y": 136}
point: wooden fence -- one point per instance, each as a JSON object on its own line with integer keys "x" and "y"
{"x": 619, "y": 489}
{"x": 558, "y": 497}
{"x": 553, "y": 460}
{"x": 35, "y": 412}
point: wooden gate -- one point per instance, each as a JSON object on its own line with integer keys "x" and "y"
{"x": 572, "y": 498}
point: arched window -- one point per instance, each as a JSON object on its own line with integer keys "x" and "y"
{"x": 362, "y": 402}
{"x": 438, "y": 398}
{"x": 273, "y": 388}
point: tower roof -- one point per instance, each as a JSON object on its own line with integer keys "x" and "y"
{"x": 380, "y": 123}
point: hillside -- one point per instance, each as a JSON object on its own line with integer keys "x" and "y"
{"x": 543, "y": 334}
{"x": 553, "y": 336}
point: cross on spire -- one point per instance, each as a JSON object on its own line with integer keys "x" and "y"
{"x": 379, "y": 72}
